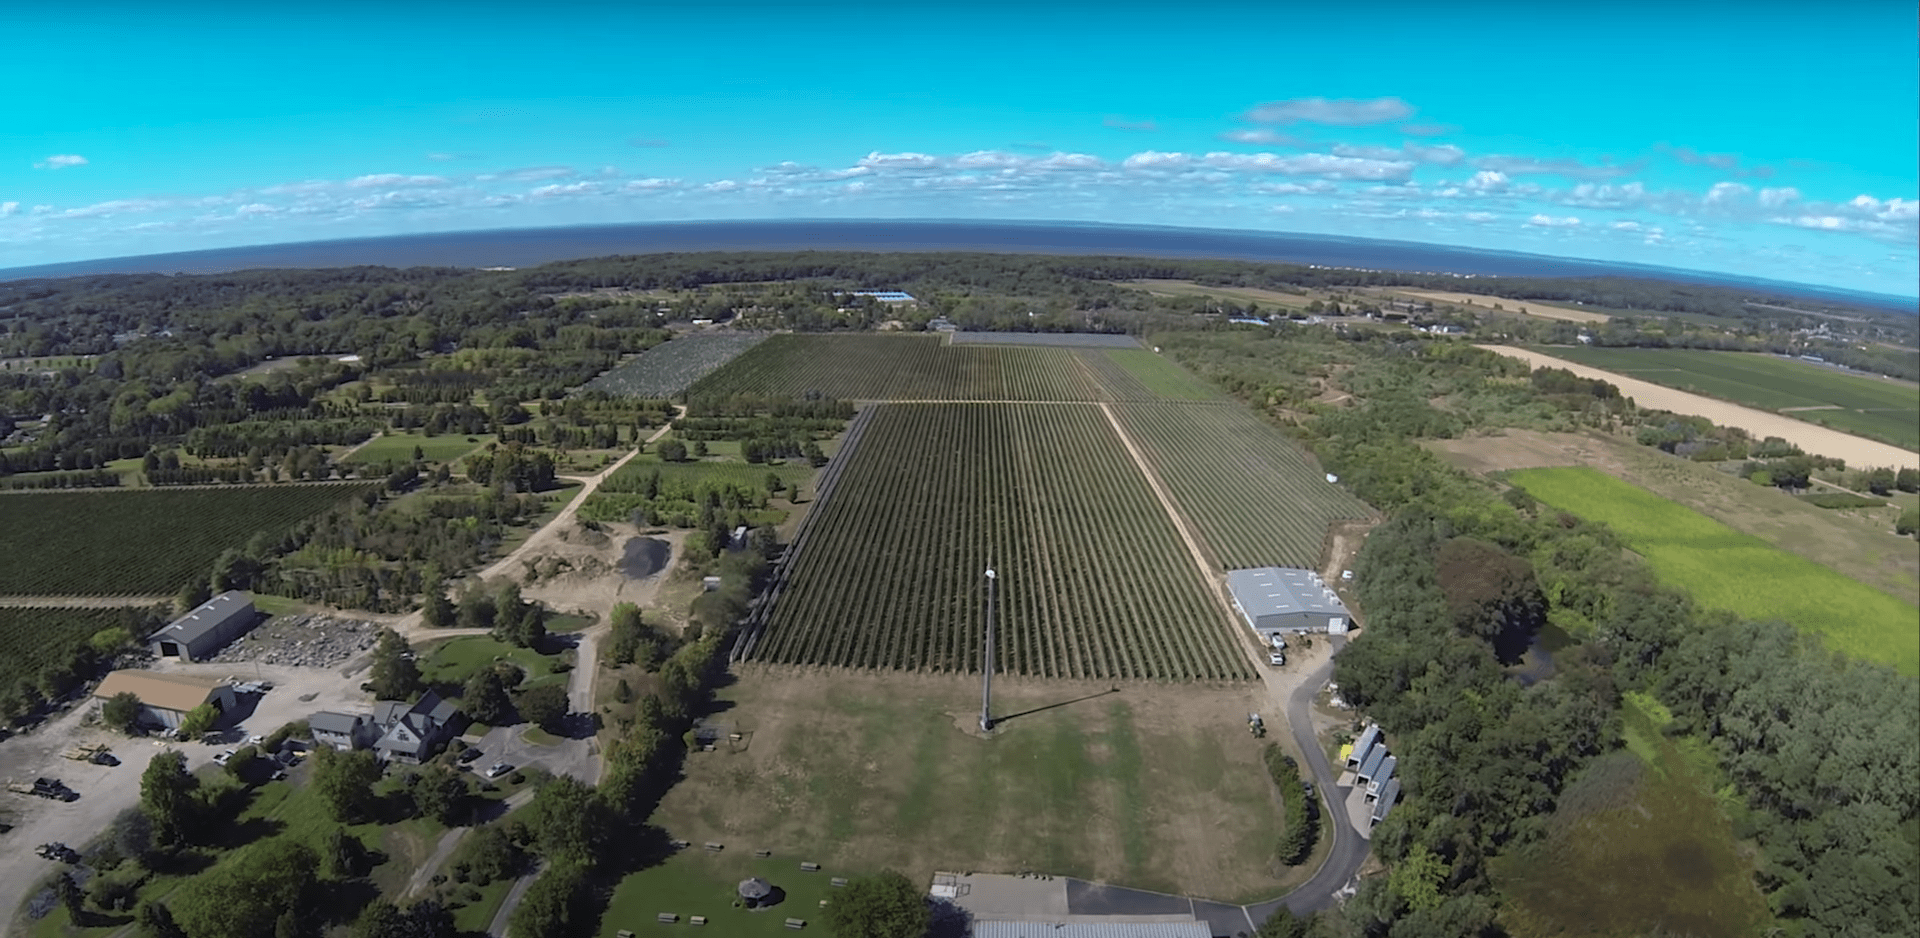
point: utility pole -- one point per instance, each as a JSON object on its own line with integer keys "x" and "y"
{"x": 986, "y": 664}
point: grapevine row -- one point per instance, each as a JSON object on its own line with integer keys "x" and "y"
{"x": 899, "y": 367}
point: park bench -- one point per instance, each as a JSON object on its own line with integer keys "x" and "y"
{"x": 796, "y": 923}
{"x": 667, "y": 918}
{"x": 810, "y": 867}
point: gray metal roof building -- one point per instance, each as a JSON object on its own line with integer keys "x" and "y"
{"x": 1382, "y": 777}
{"x": 1363, "y": 747}
{"x": 1371, "y": 767}
{"x": 1388, "y": 796}
{"x": 1115, "y": 929}
{"x": 210, "y": 626}
{"x": 1275, "y": 600}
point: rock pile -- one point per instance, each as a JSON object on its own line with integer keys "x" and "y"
{"x": 308, "y": 640}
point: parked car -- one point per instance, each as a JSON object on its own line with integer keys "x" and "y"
{"x": 498, "y": 769}
{"x": 58, "y": 851}
{"x": 1346, "y": 574}
{"x": 222, "y": 757}
{"x": 470, "y": 755}
{"x": 1277, "y": 658}
{"x": 103, "y": 757}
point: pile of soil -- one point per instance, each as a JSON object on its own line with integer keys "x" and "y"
{"x": 645, "y": 556}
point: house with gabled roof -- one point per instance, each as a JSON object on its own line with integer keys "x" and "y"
{"x": 412, "y": 733}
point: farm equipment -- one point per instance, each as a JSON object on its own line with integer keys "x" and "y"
{"x": 86, "y": 753}
{"x": 44, "y": 788}
{"x": 1256, "y": 726}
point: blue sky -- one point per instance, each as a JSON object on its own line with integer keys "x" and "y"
{"x": 1762, "y": 140}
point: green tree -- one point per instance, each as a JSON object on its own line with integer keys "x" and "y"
{"x": 543, "y": 704}
{"x": 568, "y": 820}
{"x": 439, "y": 793}
{"x": 190, "y": 596}
{"x": 885, "y": 905}
{"x": 241, "y": 760}
{"x": 345, "y": 782}
{"x": 245, "y": 894}
{"x": 71, "y": 897}
{"x": 168, "y": 795}
{"x": 199, "y": 720}
{"x": 156, "y": 921}
{"x": 395, "y": 675}
{"x": 343, "y": 856}
{"x": 108, "y": 642}
{"x": 121, "y": 711}
{"x": 554, "y": 905}
{"x": 491, "y": 854}
{"x": 485, "y": 698}
{"x": 672, "y": 450}
{"x": 1417, "y": 878}
{"x": 438, "y": 611}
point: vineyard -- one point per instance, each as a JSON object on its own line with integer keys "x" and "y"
{"x": 32, "y": 639}
{"x": 1255, "y": 497}
{"x": 1059, "y": 339}
{"x": 902, "y": 368}
{"x": 1093, "y": 581}
{"x": 140, "y": 543}
{"x": 1139, "y": 375}
{"x": 669, "y": 368}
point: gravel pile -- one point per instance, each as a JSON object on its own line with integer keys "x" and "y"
{"x": 307, "y": 640}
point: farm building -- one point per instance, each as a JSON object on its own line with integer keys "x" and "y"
{"x": 1363, "y": 747}
{"x": 1278, "y": 600}
{"x": 412, "y": 733}
{"x": 886, "y": 296}
{"x": 166, "y": 699}
{"x": 201, "y": 634}
{"x": 343, "y": 731}
{"x": 1381, "y": 807}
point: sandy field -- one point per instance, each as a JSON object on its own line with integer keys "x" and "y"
{"x": 1859, "y": 452}
{"x": 1541, "y": 310}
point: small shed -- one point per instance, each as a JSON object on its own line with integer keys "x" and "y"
{"x": 1363, "y": 747}
{"x": 755, "y": 891}
{"x": 1370, "y": 768}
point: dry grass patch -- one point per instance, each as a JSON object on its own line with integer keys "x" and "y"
{"x": 1527, "y": 307}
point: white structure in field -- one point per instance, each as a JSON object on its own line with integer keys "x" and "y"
{"x": 1275, "y": 601}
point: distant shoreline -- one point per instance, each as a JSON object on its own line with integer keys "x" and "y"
{"x": 526, "y": 247}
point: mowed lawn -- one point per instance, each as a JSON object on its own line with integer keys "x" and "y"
{"x": 1867, "y": 406}
{"x": 1158, "y": 787}
{"x": 1725, "y": 569}
{"x": 695, "y": 882}
{"x": 1161, "y": 376}
{"x": 399, "y": 447}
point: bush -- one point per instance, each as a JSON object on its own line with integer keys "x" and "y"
{"x": 1909, "y": 522}
{"x": 1302, "y": 813}
{"x": 1843, "y": 500}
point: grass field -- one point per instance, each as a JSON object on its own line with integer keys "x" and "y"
{"x": 1871, "y": 407}
{"x": 1725, "y": 569}
{"x": 669, "y": 368}
{"x": 1529, "y": 307}
{"x": 31, "y": 638}
{"x": 455, "y": 660}
{"x": 698, "y": 883}
{"x": 1257, "y": 499}
{"x": 681, "y": 485}
{"x": 901, "y": 367}
{"x": 1094, "y": 580}
{"x": 145, "y": 542}
{"x": 1154, "y": 787}
{"x": 1238, "y": 294}
{"x": 399, "y": 447}
{"x": 1141, "y": 375}
{"x": 1639, "y": 845}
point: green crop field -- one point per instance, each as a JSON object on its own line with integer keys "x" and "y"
{"x": 1093, "y": 578}
{"x": 1725, "y": 569}
{"x": 684, "y": 484}
{"x": 1257, "y": 499}
{"x": 31, "y": 638}
{"x": 669, "y": 368}
{"x": 146, "y": 542}
{"x": 901, "y": 367}
{"x": 1871, "y": 407}
{"x": 399, "y": 447}
{"x": 1139, "y": 375}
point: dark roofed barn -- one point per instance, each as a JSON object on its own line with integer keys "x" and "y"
{"x": 201, "y": 634}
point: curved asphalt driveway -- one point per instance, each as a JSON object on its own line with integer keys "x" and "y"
{"x": 1349, "y": 848}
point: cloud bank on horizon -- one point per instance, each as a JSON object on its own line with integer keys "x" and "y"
{"x": 1666, "y": 136}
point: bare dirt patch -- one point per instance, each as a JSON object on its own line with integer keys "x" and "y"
{"x": 1859, "y": 452}
{"x": 586, "y": 570}
{"x": 1528, "y": 307}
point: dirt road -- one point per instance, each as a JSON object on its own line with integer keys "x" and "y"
{"x": 83, "y": 602}
{"x": 1199, "y": 554}
{"x": 1859, "y": 452}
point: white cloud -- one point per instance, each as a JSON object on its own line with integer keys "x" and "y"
{"x": 724, "y": 185}
{"x": 1529, "y": 166}
{"x": 1445, "y": 154}
{"x": 1605, "y": 195}
{"x": 1889, "y": 210}
{"x": 1154, "y": 159}
{"x": 9, "y": 208}
{"x": 43, "y": 210}
{"x": 1488, "y": 180}
{"x": 1723, "y": 193}
{"x": 1311, "y": 164}
{"x": 257, "y": 208}
{"x": 111, "y": 208}
{"x": 1479, "y": 216}
{"x": 1774, "y": 198}
{"x": 556, "y": 190}
{"x": 61, "y": 161}
{"x": 1316, "y": 187}
{"x": 377, "y": 180}
{"x": 879, "y": 160}
{"x": 527, "y": 174}
{"x": 1338, "y": 112}
{"x": 1263, "y": 136}
{"x": 1548, "y": 221}
{"x": 643, "y": 185}
{"x": 1625, "y": 226}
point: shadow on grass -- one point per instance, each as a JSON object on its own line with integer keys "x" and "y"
{"x": 1013, "y": 716}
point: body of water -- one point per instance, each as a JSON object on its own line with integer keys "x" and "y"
{"x": 526, "y": 247}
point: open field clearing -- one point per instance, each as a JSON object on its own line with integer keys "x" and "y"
{"x": 671, "y": 367}
{"x": 1638, "y": 845}
{"x": 1094, "y": 580}
{"x": 1858, "y": 452}
{"x": 143, "y": 542}
{"x": 399, "y": 447}
{"x": 1140, "y": 375}
{"x": 1240, "y": 294}
{"x": 1859, "y": 544}
{"x": 1257, "y": 499}
{"x": 1529, "y": 307}
{"x": 1725, "y": 569}
{"x": 1046, "y": 339}
{"x": 1154, "y": 787}
{"x": 33, "y": 637}
{"x": 1880, "y": 408}
{"x": 900, "y": 367}
{"x": 681, "y": 484}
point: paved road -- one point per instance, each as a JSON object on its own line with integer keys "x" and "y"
{"x": 1349, "y": 848}
{"x": 423, "y": 877}
{"x": 498, "y": 929}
